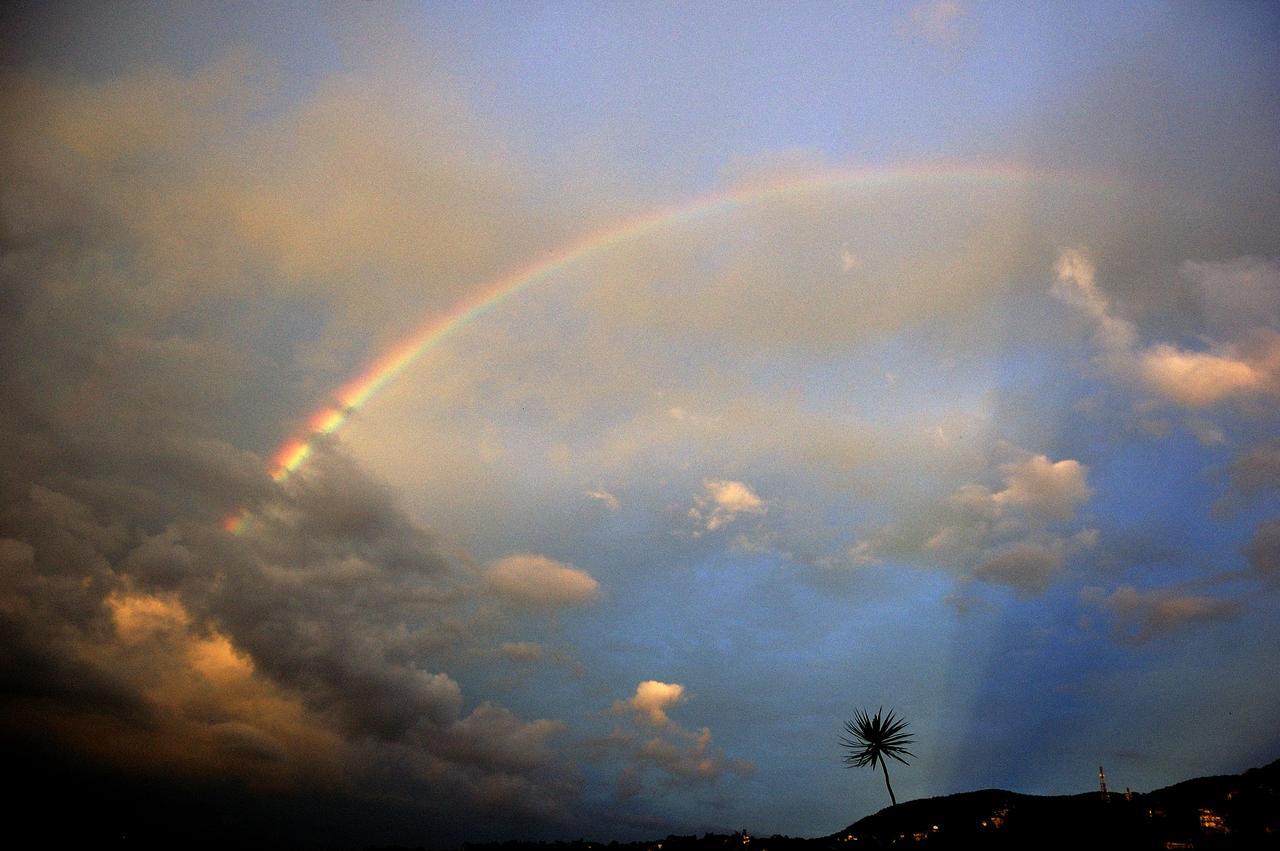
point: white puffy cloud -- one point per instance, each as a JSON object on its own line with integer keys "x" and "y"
{"x": 723, "y": 501}
{"x": 1054, "y": 489}
{"x": 1012, "y": 536}
{"x": 735, "y": 497}
{"x": 679, "y": 754}
{"x": 602, "y": 495}
{"x": 651, "y": 701}
{"x": 1199, "y": 379}
{"x": 540, "y": 581}
{"x": 1191, "y": 378}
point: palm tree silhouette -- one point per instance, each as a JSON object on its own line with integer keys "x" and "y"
{"x": 869, "y": 740}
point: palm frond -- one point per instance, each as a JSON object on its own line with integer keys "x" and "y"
{"x": 869, "y": 740}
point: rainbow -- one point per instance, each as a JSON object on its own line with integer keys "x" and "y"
{"x": 354, "y": 395}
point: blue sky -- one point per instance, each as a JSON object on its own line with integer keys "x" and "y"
{"x": 992, "y": 441}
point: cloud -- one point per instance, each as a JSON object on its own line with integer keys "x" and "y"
{"x": 610, "y": 501}
{"x": 1193, "y": 379}
{"x": 1206, "y": 432}
{"x": 694, "y": 759}
{"x": 652, "y": 700}
{"x": 191, "y": 263}
{"x": 1053, "y": 489}
{"x": 1076, "y": 285}
{"x": 177, "y": 291}
{"x": 723, "y": 502}
{"x": 862, "y": 554}
{"x": 539, "y": 581}
{"x": 1257, "y": 470}
{"x": 1199, "y": 379}
{"x": 1138, "y": 616}
{"x": 1238, "y": 294}
{"x": 734, "y": 497}
{"x": 1027, "y": 567}
{"x": 522, "y": 651}
{"x": 937, "y": 21}
{"x": 494, "y": 738}
{"x": 164, "y": 306}
{"x": 680, "y": 755}
{"x": 849, "y": 260}
{"x": 303, "y": 654}
{"x": 1015, "y": 536}
{"x": 199, "y": 707}
{"x": 1263, "y": 550}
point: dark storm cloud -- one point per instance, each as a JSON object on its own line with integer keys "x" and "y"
{"x": 337, "y": 594}
{"x": 310, "y": 651}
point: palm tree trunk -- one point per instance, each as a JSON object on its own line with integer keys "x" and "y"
{"x": 886, "y": 783}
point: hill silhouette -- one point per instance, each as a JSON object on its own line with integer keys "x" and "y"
{"x": 1227, "y": 811}
{"x": 1236, "y": 811}
{"x": 1222, "y": 812}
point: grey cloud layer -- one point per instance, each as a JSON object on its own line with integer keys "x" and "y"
{"x": 174, "y": 265}
{"x": 189, "y": 267}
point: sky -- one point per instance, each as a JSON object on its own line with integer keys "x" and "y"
{"x": 462, "y": 422}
